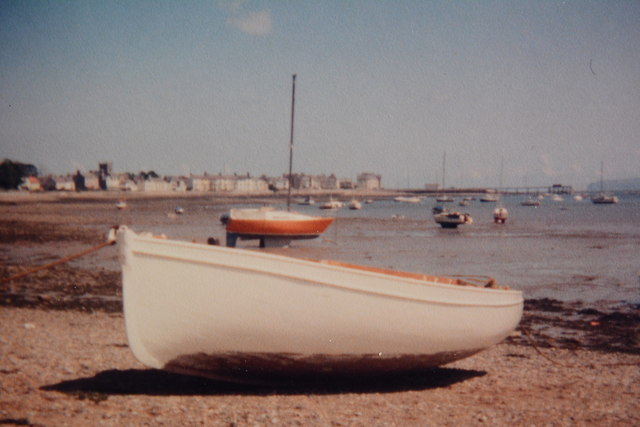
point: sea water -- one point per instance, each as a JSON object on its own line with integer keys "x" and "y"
{"x": 568, "y": 250}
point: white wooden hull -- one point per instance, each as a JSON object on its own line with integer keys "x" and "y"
{"x": 246, "y": 315}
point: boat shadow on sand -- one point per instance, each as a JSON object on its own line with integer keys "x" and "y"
{"x": 161, "y": 383}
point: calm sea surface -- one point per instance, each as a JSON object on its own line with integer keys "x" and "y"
{"x": 569, "y": 250}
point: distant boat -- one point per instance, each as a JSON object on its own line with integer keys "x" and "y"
{"x": 307, "y": 201}
{"x": 403, "y": 199}
{"x": 500, "y": 215}
{"x": 274, "y": 227}
{"x": 331, "y": 204}
{"x": 448, "y": 219}
{"x": 251, "y": 316}
{"x": 490, "y": 198}
{"x": 179, "y": 210}
{"x": 557, "y": 198}
{"x": 530, "y": 202}
{"x": 602, "y": 198}
{"x": 121, "y": 205}
{"x": 355, "y": 205}
{"x": 444, "y": 199}
{"x": 464, "y": 202}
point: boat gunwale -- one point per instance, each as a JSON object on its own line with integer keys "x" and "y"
{"x": 315, "y": 281}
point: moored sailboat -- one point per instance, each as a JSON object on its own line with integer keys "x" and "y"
{"x": 274, "y": 227}
{"x": 603, "y": 198}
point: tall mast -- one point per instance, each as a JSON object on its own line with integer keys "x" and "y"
{"x": 444, "y": 164}
{"x": 293, "y": 102}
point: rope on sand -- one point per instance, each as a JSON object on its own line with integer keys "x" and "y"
{"x": 110, "y": 242}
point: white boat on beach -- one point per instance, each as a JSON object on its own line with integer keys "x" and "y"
{"x": 251, "y": 316}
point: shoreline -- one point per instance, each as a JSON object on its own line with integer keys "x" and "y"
{"x": 9, "y": 197}
{"x": 64, "y": 357}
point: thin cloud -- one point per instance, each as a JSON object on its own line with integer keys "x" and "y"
{"x": 252, "y": 23}
{"x": 547, "y": 168}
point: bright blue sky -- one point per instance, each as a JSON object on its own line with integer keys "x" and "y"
{"x": 553, "y": 87}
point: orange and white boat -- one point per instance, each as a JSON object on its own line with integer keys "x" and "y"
{"x": 272, "y": 227}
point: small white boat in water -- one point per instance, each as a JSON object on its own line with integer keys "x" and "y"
{"x": 307, "y": 201}
{"x": 121, "y": 205}
{"x": 355, "y": 205}
{"x": 331, "y": 204}
{"x": 530, "y": 202}
{"x": 490, "y": 198}
{"x": 444, "y": 199}
{"x": 246, "y": 315}
{"x": 405, "y": 199}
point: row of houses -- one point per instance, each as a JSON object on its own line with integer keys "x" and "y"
{"x": 106, "y": 180}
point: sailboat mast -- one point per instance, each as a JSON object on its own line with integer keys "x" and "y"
{"x": 293, "y": 101}
{"x": 444, "y": 164}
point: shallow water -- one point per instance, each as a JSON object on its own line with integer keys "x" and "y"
{"x": 570, "y": 250}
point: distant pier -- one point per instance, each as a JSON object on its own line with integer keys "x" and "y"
{"x": 554, "y": 189}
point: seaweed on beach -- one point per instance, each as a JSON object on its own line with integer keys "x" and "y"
{"x": 63, "y": 288}
{"x": 12, "y": 231}
{"x": 549, "y": 323}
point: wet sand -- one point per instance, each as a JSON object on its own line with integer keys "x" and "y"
{"x": 64, "y": 358}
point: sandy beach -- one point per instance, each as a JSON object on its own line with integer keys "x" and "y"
{"x": 64, "y": 358}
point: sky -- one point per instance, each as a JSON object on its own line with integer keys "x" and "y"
{"x": 514, "y": 92}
